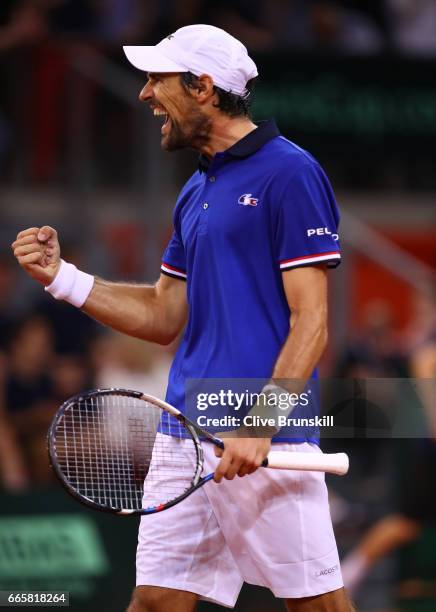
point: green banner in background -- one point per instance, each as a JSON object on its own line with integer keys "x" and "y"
{"x": 51, "y": 547}
{"x": 49, "y": 542}
{"x": 363, "y": 101}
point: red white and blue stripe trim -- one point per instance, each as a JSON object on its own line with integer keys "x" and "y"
{"x": 172, "y": 271}
{"x": 331, "y": 258}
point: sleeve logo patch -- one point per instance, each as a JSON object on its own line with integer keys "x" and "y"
{"x": 246, "y": 200}
{"x": 322, "y": 231}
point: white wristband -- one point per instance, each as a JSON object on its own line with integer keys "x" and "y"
{"x": 271, "y": 389}
{"x": 279, "y": 393}
{"x": 71, "y": 285}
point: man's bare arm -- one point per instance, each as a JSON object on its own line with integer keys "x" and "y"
{"x": 306, "y": 293}
{"x": 156, "y": 313}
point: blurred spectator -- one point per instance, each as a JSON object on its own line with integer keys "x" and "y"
{"x": 246, "y": 21}
{"x": 31, "y": 354}
{"x": 416, "y": 507}
{"x": 413, "y": 26}
{"x": 35, "y": 382}
{"x": 70, "y": 375}
{"x": 14, "y": 476}
{"x": 339, "y": 28}
{"x": 55, "y": 28}
{"x": 28, "y": 392}
{"x": 267, "y": 25}
{"x": 261, "y": 24}
{"x": 8, "y": 274}
{"x": 421, "y": 345}
{"x": 125, "y": 22}
{"x": 122, "y": 361}
{"x": 21, "y": 23}
{"x": 5, "y": 139}
{"x": 422, "y": 325}
{"x": 374, "y": 350}
{"x": 73, "y": 331}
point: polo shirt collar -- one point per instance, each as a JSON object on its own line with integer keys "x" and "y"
{"x": 252, "y": 142}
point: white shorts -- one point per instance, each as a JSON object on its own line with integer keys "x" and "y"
{"x": 271, "y": 528}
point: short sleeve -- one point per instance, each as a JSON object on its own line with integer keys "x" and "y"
{"x": 307, "y": 220}
{"x": 174, "y": 260}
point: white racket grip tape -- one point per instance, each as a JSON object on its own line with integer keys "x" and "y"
{"x": 333, "y": 463}
{"x": 71, "y": 285}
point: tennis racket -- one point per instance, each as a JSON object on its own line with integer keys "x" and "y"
{"x": 109, "y": 451}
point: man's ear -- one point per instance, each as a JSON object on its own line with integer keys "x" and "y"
{"x": 203, "y": 89}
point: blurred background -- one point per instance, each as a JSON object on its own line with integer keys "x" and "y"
{"x": 352, "y": 82}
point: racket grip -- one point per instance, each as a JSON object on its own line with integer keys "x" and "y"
{"x": 332, "y": 463}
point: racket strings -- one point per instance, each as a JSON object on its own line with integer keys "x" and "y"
{"x": 111, "y": 451}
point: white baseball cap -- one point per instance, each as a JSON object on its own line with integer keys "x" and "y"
{"x": 200, "y": 49}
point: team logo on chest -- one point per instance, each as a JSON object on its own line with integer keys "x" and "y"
{"x": 246, "y": 200}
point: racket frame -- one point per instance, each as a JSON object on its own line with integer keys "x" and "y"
{"x": 196, "y": 482}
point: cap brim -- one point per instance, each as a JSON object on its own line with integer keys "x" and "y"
{"x": 151, "y": 59}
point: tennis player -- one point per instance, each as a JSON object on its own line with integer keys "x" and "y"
{"x": 255, "y": 229}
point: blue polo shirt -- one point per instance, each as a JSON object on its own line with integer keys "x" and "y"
{"x": 262, "y": 207}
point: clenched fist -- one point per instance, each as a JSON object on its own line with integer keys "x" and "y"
{"x": 38, "y": 253}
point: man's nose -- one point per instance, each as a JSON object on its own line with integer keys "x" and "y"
{"x": 145, "y": 93}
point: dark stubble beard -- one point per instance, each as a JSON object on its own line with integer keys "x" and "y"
{"x": 193, "y": 134}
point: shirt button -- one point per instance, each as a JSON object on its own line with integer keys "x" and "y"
{"x": 205, "y": 206}
{"x": 212, "y": 179}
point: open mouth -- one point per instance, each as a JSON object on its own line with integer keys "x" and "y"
{"x": 159, "y": 111}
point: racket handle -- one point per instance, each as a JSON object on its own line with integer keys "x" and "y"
{"x": 333, "y": 463}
